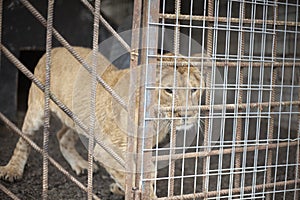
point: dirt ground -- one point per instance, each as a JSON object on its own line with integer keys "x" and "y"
{"x": 60, "y": 187}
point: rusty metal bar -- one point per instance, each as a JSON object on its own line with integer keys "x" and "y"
{"x": 62, "y": 106}
{"x": 47, "y": 99}
{"x": 207, "y": 121}
{"x": 139, "y": 141}
{"x": 272, "y": 99}
{"x": 8, "y": 192}
{"x": 174, "y": 103}
{"x": 107, "y": 26}
{"x": 16, "y": 130}
{"x": 297, "y": 168}
{"x": 234, "y": 64}
{"x": 239, "y": 93}
{"x": 130, "y": 190}
{"x": 226, "y": 151}
{"x": 234, "y": 190}
{"x": 42, "y": 20}
{"x": 224, "y": 19}
{"x": 147, "y": 97}
{"x": 233, "y": 106}
{"x": 93, "y": 89}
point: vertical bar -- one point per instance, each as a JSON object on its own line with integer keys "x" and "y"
{"x": 260, "y": 98}
{"x": 248, "y": 99}
{"x": 272, "y": 99}
{"x": 47, "y": 99}
{"x": 280, "y": 93}
{"x": 174, "y": 103}
{"x": 207, "y": 86}
{"x": 293, "y": 81}
{"x": 162, "y": 42}
{"x": 239, "y": 94}
{"x": 130, "y": 189}
{"x": 297, "y": 168}
{"x": 147, "y": 97}
{"x": 93, "y": 100}
{"x": 183, "y": 163}
{"x": 225, "y": 94}
{"x": 208, "y": 93}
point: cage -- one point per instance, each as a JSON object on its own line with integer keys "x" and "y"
{"x": 211, "y": 100}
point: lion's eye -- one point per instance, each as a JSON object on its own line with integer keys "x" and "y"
{"x": 169, "y": 90}
{"x": 193, "y": 90}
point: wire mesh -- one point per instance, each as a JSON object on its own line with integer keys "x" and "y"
{"x": 246, "y": 142}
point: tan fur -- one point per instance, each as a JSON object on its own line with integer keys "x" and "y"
{"x": 64, "y": 74}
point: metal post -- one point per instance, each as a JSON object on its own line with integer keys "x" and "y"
{"x": 131, "y": 191}
{"x": 147, "y": 97}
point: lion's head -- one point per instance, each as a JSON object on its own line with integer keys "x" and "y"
{"x": 180, "y": 86}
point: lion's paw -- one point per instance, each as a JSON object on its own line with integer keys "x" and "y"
{"x": 10, "y": 173}
{"x": 81, "y": 167}
{"x": 115, "y": 189}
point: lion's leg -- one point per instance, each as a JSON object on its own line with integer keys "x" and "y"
{"x": 67, "y": 140}
{"x": 15, "y": 167}
{"x": 118, "y": 176}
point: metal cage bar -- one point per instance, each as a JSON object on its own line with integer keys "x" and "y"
{"x": 210, "y": 8}
{"x": 93, "y": 100}
{"x": 131, "y": 190}
{"x": 149, "y": 46}
{"x": 47, "y": 98}
{"x": 272, "y": 99}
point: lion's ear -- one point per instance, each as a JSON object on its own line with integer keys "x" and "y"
{"x": 202, "y": 61}
{"x": 200, "y": 79}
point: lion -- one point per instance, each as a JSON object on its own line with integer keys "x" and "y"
{"x": 65, "y": 77}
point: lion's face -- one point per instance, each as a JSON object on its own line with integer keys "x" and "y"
{"x": 184, "y": 88}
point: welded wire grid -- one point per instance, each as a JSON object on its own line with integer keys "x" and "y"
{"x": 251, "y": 101}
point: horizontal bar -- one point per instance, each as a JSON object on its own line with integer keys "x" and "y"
{"x": 233, "y": 191}
{"x": 225, "y": 19}
{"x": 232, "y": 106}
{"x": 266, "y": 63}
{"x": 224, "y": 151}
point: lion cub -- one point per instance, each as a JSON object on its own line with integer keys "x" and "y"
{"x": 66, "y": 75}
